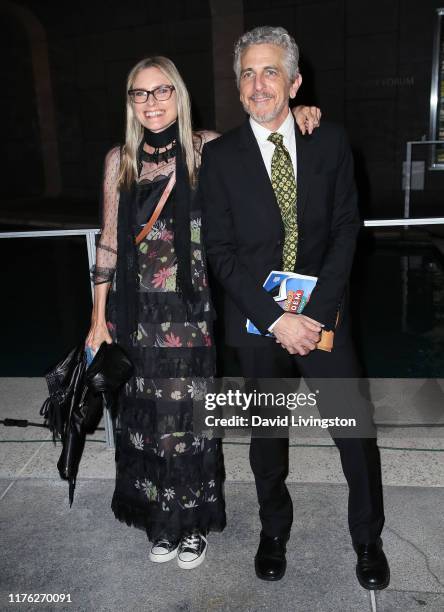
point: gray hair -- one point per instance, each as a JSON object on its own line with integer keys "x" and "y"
{"x": 271, "y": 36}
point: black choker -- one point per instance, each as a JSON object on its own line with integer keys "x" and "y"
{"x": 157, "y": 140}
{"x": 156, "y": 157}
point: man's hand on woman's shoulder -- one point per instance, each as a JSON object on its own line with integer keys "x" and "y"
{"x": 207, "y": 135}
{"x": 308, "y": 118}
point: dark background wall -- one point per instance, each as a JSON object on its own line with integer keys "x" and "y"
{"x": 91, "y": 47}
{"x": 366, "y": 64}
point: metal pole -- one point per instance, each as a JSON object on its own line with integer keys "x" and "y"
{"x": 49, "y": 233}
{"x": 91, "y": 247}
{"x": 408, "y": 181}
{"x": 405, "y": 290}
{"x": 109, "y": 429}
{"x": 397, "y": 222}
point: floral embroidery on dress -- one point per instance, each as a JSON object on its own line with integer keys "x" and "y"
{"x": 179, "y": 495}
{"x": 172, "y": 340}
{"x": 157, "y": 246}
{"x": 161, "y": 277}
{"x": 137, "y": 440}
{"x": 148, "y": 488}
{"x": 174, "y": 335}
{"x": 197, "y": 389}
{"x": 177, "y": 388}
{"x": 157, "y": 230}
{"x": 195, "y": 230}
{"x": 191, "y": 504}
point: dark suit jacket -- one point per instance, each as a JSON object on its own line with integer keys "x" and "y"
{"x": 244, "y": 233}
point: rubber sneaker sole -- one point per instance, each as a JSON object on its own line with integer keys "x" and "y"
{"x": 156, "y": 558}
{"x": 192, "y": 564}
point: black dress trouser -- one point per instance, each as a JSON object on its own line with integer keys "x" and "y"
{"x": 269, "y": 456}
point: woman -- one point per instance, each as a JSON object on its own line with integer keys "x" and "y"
{"x": 169, "y": 481}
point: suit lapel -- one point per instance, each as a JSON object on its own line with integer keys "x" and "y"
{"x": 256, "y": 173}
{"x": 257, "y": 177}
{"x": 305, "y": 168}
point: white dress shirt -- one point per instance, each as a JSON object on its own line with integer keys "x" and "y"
{"x": 266, "y": 147}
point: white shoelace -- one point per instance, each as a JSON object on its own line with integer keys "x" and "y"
{"x": 163, "y": 544}
{"x": 192, "y": 541}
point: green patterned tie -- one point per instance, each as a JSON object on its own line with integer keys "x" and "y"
{"x": 284, "y": 185}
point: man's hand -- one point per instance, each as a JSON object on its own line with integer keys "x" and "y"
{"x": 298, "y": 334}
{"x": 307, "y": 117}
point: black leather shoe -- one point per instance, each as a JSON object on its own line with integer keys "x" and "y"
{"x": 372, "y": 569}
{"x": 270, "y": 562}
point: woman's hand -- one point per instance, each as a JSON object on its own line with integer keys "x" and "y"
{"x": 307, "y": 117}
{"x": 97, "y": 334}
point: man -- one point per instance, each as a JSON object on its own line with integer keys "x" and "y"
{"x": 275, "y": 200}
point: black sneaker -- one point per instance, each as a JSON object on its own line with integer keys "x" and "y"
{"x": 192, "y": 550}
{"x": 163, "y": 550}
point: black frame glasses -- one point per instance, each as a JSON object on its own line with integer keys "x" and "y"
{"x": 161, "y": 94}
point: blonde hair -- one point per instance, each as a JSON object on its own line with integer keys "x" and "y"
{"x": 134, "y": 129}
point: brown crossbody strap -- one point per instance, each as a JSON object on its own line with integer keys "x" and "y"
{"x": 161, "y": 203}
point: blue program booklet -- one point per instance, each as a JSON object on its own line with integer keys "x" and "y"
{"x": 90, "y": 354}
{"x": 290, "y": 290}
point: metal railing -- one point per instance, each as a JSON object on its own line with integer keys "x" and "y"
{"x": 90, "y": 236}
{"x": 408, "y": 172}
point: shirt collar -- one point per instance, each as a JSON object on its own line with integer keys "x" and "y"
{"x": 262, "y": 133}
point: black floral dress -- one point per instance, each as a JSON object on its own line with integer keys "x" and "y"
{"x": 169, "y": 481}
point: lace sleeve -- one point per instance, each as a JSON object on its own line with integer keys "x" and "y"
{"x": 106, "y": 253}
{"x": 202, "y": 137}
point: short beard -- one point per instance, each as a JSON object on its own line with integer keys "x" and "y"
{"x": 271, "y": 116}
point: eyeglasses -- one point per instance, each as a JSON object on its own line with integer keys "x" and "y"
{"x": 161, "y": 93}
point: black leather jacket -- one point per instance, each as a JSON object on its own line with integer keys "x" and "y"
{"x": 77, "y": 396}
